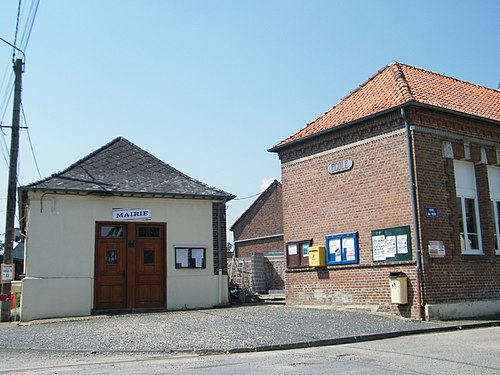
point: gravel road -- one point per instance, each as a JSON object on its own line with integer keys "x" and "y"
{"x": 240, "y": 328}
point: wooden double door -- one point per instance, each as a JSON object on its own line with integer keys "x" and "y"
{"x": 130, "y": 266}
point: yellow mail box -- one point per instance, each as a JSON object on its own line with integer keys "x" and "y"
{"x": 317, "y": 256}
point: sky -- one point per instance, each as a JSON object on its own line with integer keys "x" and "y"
{"x": 209, "y": 86}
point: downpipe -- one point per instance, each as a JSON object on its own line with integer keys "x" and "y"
{"x": 219, "y": 251}
{"x": 418, "y": 250}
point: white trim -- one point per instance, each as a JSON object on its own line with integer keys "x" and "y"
{"x": 496, "y": 222}
{"x": 465, "y": 186}
{"x": 346, "y": 147}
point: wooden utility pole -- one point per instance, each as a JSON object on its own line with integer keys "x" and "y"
{"x": 12, "y": 188}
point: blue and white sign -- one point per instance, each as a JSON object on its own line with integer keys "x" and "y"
{"x": 431, "y": 212}
{"x": 131, "y": 214}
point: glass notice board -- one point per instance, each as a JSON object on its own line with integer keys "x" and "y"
{"x": 190, "y": 257}
{"x": 391, "y": 244}
{"x": 342, "y": 248}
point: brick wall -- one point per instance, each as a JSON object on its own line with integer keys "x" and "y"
{"x": 219, "y": 209}
{"x": 263, "y": 218}
{"x": 375, "y": 194}
{"x": 265, "y": 245}
{"x": 455, "y": 277}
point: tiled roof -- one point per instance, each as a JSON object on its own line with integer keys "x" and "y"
{"x": 397, "y": 84}
{"x": 121, "y": 167}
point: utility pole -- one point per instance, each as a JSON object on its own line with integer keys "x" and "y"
{"x": 12, "y": 188}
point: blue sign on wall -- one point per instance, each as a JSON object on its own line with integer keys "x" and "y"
{"x": 431, "y": 212}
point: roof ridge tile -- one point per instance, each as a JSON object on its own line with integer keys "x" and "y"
{"x": 401, "y": 82}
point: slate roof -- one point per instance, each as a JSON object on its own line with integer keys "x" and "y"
{"x": 398, "y": 84}
{"x": 121, "y": 167}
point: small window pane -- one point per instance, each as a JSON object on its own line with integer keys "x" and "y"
{"x": 470, "y": 212}
{"x": 149, "y": 257}
{"x": 150, "y": 232}
{"x": 111, "y": 257}
{"x": 305, "y": 249}
{"x": 111, "y": 231}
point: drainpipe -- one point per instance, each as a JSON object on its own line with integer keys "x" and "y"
{"x": 414, "y": 211}
{"x": 219, "y": 250}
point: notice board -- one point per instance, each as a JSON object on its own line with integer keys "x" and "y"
{"x": 391, "y": 244}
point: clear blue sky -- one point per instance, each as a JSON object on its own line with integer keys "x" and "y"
{"x": 209, "y": 86}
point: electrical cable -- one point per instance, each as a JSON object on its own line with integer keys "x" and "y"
{"x": 251, "y": 196}
{"x": 30, "y": 21}
{"x": 29, "y": 140}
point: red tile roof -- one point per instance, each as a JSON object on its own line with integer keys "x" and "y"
{"x": 397, "y": 84}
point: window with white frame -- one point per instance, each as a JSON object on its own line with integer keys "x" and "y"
{"x": 468, "y": 209}
{"x": 494, "y": 185}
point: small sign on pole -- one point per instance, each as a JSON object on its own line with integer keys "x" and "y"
{"x": 6, "y": 273}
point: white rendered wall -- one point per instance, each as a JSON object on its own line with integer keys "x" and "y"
{"x": 59, "y": 260}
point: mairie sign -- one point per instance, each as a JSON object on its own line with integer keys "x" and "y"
{"x": 131, "y": 214}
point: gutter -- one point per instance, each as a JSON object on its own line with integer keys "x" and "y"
{"x": 411, "y": 160}
{"x": 122, "y": 193}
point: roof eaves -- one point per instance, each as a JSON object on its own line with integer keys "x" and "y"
{"x": 278, "y": 148}
{"x": 455, "y": 112}
{"x": 225, "y": 196}
{"x": 338, "y": 127}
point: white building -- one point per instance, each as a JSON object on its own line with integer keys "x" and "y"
{"x": 122, "y": 230}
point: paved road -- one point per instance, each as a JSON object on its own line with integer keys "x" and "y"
{"x": 237, "y": 329}
{"x": 472, "y": 351}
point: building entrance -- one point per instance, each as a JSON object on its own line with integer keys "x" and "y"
{"x": 129, "y": 266}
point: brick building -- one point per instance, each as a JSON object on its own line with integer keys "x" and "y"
{"x": 259, "y": 231}
{"x": 260, "y": 228}
{"x": 401, "y": 177}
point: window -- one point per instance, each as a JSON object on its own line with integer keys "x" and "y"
{"x": 468, "y": 209}
{"x": 342, "y": 248}
{"x": 190, "y": 257}
{"x": 494, "y": 184}
{"x": 148, "y": 232}
{"x": 149, "y": 257}
{"x": 111, "y": 257}
{"x": 297, "y": 253}
{"x": 112, "y": 231}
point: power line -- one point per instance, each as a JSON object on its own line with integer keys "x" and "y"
{"x": 30, "y": 21}
{"x": 29, "y": 139}
{"x": 251, "y": 196}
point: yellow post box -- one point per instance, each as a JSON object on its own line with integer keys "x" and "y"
{"x": 317, "y": 256}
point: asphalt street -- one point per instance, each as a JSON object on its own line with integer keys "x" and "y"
{"x": 243, "y": 328}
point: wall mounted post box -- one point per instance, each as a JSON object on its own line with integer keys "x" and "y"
{"x": 398, "y": 282}
{"x": 317, "y": 256}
